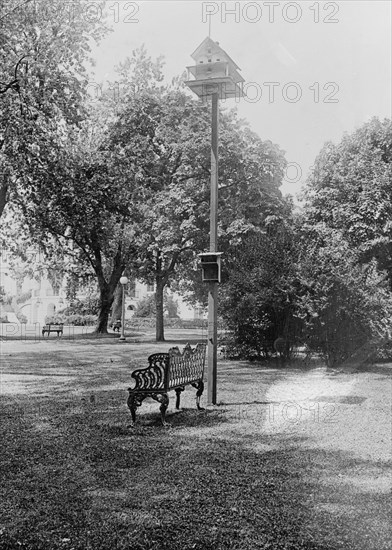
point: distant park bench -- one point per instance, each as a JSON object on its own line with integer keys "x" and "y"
{"x": 53, "y": 327}
{"x": 168, "y": 371}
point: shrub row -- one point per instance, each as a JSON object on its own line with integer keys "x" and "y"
{"x": 76, "y": 320}
{"x": 20, "y": 316}
{"x": 135, "y": 322}
{"x": 169, "y": 322}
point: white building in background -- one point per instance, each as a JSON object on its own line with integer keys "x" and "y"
{"x": 33, "y": 299}
{"x": 138, "y": 291}
{"x": 36, "y": 300}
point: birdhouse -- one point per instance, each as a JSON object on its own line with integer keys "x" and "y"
{"x": 214, "y": 72}
{"x": 211, "y": 266}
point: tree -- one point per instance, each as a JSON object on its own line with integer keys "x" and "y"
{"x": 44, "y": 47}
{"x": 134, "y": 193}
{"x": 260, "y": 289}
{"x": 152, "y": 139}
{"x": 175, "y": 222}
{"x": 85, "y": 212}
{"x": 350, "y": 189}
{"x": 87, "y": 197}
{"x": 342, "y": 303}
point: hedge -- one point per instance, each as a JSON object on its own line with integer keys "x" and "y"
{"x": 149, "y": 322}
{"x": 75, "y": 320}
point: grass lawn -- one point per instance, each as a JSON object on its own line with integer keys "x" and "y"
{"x": 290, "y": 458}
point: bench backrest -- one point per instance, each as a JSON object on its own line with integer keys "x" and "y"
{"x": 168, "y": 370}
{"x": 187, "y": 366}
{"x": 54, "y": 326}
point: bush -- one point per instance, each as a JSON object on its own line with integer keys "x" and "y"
{"x": 149, "y": 322}
{"x": 146, "y": 307}
{"x": 75, "y": 320}
{"x": 140, "y": 322}
{"x": 21, "y": 318}
{"x": 384, "y": 352}
{"x": 24, "y": 297}
{"x": 343, "y": 305}
{"x": 233, "y": 347}
{"x": 257, "y": 299}
{"x": 81, "y": 320}
{"x": 87, "y": 306}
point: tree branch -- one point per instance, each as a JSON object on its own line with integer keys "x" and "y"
{"x": 15, "y": 8}
{"x": 15, "y": 82}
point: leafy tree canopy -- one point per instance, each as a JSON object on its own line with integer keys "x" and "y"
{"x": 44, "y": 47}
{"x": 134, "y": 189}
{"x": 350, "y": 189}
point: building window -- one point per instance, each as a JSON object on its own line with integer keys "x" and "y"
{"x": 150, "y": 288}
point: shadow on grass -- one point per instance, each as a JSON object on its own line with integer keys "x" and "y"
{"x": 185, "y": 418}
{"x": 73, "y": 476}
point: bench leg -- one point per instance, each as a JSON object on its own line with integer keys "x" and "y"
{"x": 200, "y": 388}
{"x": 133, "y": 402}
{"x": 163, "y": 399}
{"x": 178, "y": 393}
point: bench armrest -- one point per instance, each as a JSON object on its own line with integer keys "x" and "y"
{"x": 153, "y": 377}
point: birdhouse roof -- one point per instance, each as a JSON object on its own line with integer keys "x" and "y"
{"x": 207, "y": 44}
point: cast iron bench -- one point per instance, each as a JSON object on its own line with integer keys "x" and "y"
{"x": 168, "y": 371}
{"x": 53, "y": 327}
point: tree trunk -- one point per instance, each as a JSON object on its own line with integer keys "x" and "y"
{"x": 117, "y": 304}
{"x": 107, "y": 297}
{"x": 106, "y": 289}
{"x": 3, "y": 197}
{"x": 159, "y": 326}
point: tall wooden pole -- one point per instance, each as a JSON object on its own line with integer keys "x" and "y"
{"x": 212, "y": 354}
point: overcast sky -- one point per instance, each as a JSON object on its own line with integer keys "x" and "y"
{"x": 313, "y": 70}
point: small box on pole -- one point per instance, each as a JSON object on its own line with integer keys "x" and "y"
{"x": 211, "y": 266}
